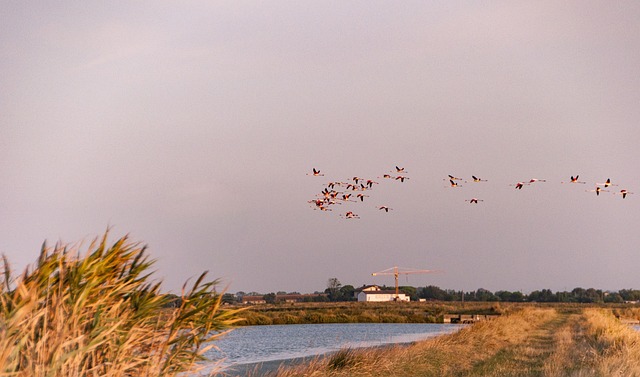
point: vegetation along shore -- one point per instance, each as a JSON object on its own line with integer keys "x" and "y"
{"x": 529, "y": 341}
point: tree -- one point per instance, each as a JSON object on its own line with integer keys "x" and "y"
{"x": 630, "y": 294}
{"x": 346, "y": 293}
{"x": 593, "y": 295}
{"x": 544, "y": 295}
{"x": 614, "y": 297}
{"x": 412, "y": 292}
{"x": 229, "y": 298}
{"x": 333, "y": 287}
{"x": 432, "y": 292}
{"x": 270, "y": 298}
{"x": 485, "y": 295}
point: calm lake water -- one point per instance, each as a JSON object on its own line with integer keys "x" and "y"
{"x": 258, "y": 344}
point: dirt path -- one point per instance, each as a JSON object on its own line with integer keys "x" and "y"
{"x": 544, "y": 352}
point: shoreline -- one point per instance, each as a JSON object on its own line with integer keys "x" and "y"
{"x": 264, "y": 367}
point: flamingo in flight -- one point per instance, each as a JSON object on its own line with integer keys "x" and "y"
{"x": 597, "y": 190}
{"x": 385, "y": 208}
{"x": 453, "y": 184}
{"x": 361, "y": 197}
{"x": 386, "y": 176}
{"x": 474, "y": 200}
{"x": 519, "y": 185}
{"x": 370, "y": 183}
{"x": 607, "y": 183}
{"x": 316, "y": 173}
{"x": 476, "y": 179}
{"x": 317, "y": 202}
{"x": 401, "y": 178}
{"x": 454, "y": 178}
{"x": 400, "y": 170}
{"x": 575, "y": 180}
{"x": 623, "y": 192}
{"x": 351, "y": 215}
{"x": 533, "y": 180}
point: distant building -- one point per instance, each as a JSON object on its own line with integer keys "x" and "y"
{"x": 259, "y": 299}
{"x": 366, "y": 288}
{"x": 246, "y": 299}
{"x": 381, "y": 296}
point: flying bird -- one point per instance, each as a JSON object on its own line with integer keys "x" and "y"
{"x": 476, "y": 179}
{"x": 401, "y": 178}
{"x": 317, "y": 202}
{"x": 532, "y": 180}
{"x": 624, "y": 193}
{"x": 597, "y": 190}
{"x": 575, "y": 180}
{"x": 316, "y": 173}
{"x": 361, "y": 197}
{"x": 385, "y": 208}
{"x": 474, "y": 200}
{"x": 400, "y": 170}
{"x": 519, "y": 185}
{"x": 351, "y": 215}
{"x": 454, "y": 184}
{"x": 607, "y": 183}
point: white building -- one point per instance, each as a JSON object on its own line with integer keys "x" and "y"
{"x": 380, "y": 296}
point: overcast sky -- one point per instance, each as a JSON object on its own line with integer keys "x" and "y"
{"x": 192, "y": 127}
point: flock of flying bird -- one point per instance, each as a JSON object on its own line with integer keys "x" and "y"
{"x": 355, "y": 188}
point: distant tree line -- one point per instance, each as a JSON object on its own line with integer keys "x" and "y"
{"x": 335, "y": 291}
{"x": 579, "y": 295}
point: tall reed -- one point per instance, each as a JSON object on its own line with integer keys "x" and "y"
{"x": 101, "y": 315}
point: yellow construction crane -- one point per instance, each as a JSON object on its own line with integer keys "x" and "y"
{"x": 397, "y": 271}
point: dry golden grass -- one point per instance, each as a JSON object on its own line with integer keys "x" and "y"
{"x": 614, "y": 346}
{"x": 99, "y": 315}
{"x": 527, "y": 342}
{"x": 447, "y": 355}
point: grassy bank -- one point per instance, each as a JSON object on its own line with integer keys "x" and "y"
{"x": 526, "y": 342}
{"x": 400, "y": 312}
{"x": 363, "y": 312}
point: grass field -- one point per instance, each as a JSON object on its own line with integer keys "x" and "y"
{"x": 529, "y": 341}
{"x": 395, "y": 312}
{"x": 362, "y": 312}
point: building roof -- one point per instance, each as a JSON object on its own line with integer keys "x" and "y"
{"x": 367, "y": 288}
{"x": 383, "y": 293}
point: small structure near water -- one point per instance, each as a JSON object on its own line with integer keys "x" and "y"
{"x": 467, "y": 318}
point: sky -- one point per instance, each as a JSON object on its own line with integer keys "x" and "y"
{"x": 193, "y": 127}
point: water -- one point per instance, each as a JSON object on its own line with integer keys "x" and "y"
{"x": 258, "y": 344}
